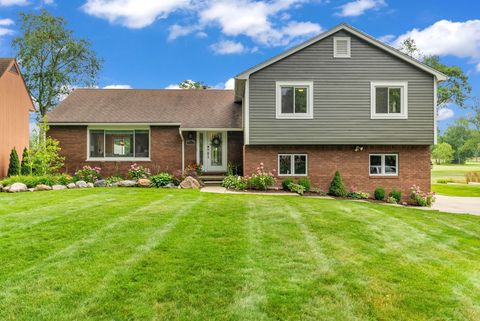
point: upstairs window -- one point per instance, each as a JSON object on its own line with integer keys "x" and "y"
{"x": 119, "y": 144}
{"x": 294, "y": 100}
{"x": 389, "y": 100}
{"x": 341, "y": 47}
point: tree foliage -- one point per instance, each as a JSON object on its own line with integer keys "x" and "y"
{"x": 44, "y": 152}
{"x": 454, "y": 90}
{"x": 52, "y": 60}
{"x": 442, "y": 153}
{"x": 25, "y": 166}
{"x": 14, "y": 165}
{"x": 192, "y": 84}
{"x": 464, "y": 140}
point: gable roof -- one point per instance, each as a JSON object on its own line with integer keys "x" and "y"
{"x": 5, "y": 64}
{"x": 440, "y": 76}
{"x": 180, "y": 107}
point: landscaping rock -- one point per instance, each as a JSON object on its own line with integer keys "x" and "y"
{"x": 189, "y": 182}
{"x": 81, "y": 184}
{"x": 1, "y": 187}
{"x": 144, "y": 182}
{"x": 59, "y": 187}
{"x": 18, "y": 187}
{"x": 100, "y": 183}
{"x": 90, "y": 185}
{"x": 170, "y": 185}
{"x": 31, "y": 190}
{"x": 127, "y": 183}
{"x": 6, "y": 188}
{"x": 71, "y": 185}
{"x": 42, "y": 187}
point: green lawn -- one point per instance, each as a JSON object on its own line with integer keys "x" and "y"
{"x": 456, "y": 173}
{"x": 133, "y": 254}
{"x": 457, "y": 190}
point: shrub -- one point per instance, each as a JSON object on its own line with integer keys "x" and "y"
{"x": 359, "y": 195}
{"x": 305, "y": 182}
{"x": 113, "y": 179}
{"x": 286, "y": 183}
{"x": 44, "y": 152}
{"x": 161, "y": 179}
{"x": 472, "y": 177}
{"x": 444, "y": 181}
{"x": 32, "y": 181}
{"x": 25, "y": 166}
{"x": 261, "y": 179}
{"x": 234, "y": 169}
{"x": 195, "y": 170}
{"x": 297, "y": 188}
{"x": 396, "y": 194}
{"x": 138, "y": 171}
{"x": 88, "y": 174}
{"x": 379, "y": 193}
{"x": 337, "y": 188}
{"x": 235, "y": 182}
{"x": 392, "y": 200}
{"x": 14, "y": 165}
{"x": 420, "y": 198}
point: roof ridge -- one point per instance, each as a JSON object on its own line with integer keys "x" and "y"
{"x": 153, "y": 89}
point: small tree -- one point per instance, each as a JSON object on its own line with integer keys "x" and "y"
{"x": 45, "y": 158}
{"x": 14, "y": 166}
{"x": 442, "y": 153}
{"x": 337, "y": 188}
{"x": 26, "y": 166}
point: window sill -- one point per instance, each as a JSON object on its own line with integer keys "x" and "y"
{"x": 294, "y": 116}
{"x": 118, "y": 159}
{"x": 292, "y": 175}
{"x": 388, "y": 117}
{"x": 383, "y": 176}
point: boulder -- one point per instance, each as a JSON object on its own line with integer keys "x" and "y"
{"x": 189, "y": 182}
{"x": 31, "y": 190}
{"x": 42, "y": 187}
{"x": 127, "y": 183}
{"x": 90, "y": 185}
{"x": 81, "y": 184}
{"x": 71, "y": 185}
{"x": 6, "y": 188}
{"x": 59, "y": 187}
{"x": 18, "y": 187}
{"x": 170, "y": 185}
{"x": 144, "y": 182}
{"x": 100, "y": 183}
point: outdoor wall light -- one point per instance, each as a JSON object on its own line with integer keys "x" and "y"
{"x": 358, "y": 148}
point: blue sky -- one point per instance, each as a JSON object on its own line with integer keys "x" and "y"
{"x": 157, "y": 44}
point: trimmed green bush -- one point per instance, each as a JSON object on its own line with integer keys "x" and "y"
{"x": 25, "y": 166}
{"x": 235, "y": 182}
{"x": 337, "y": 188}
{"x": 297, "y": 188}
{"x": 396, "y": 194}
{"x": 379, "y": 193}
{"x": 14, "y": 165}
{"x": 286, "y": 183}
{"x": 161, "y": 179}
{"x": 32, "y": 181}
{"x": 305, "y": 182}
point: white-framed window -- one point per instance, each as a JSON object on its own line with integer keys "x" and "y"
{"x": 383, "y": 165}
{"x": 294, "y": 99}
{"x": 118, "y": 144}
{"x": 292, "y": 164}
{"x": 341, "y": 47}
{"x": 389, "y": 100}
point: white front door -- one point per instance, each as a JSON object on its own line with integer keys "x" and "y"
{"x": 212, "y": 151}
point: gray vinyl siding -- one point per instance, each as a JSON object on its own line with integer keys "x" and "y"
{"x": 341, "y": 113}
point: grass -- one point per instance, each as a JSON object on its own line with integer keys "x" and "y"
{"x": 147, "y": 254}
{"x": 455, "y": 173}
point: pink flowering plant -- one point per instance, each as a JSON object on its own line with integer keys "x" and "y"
{"x": 137, "y": 172}
{"x": 421, "y": 198}
{"x": 88, "y": 174}
{"x": 261, "y": 179}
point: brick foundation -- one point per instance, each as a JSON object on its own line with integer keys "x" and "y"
{"x": 324, "y": 160}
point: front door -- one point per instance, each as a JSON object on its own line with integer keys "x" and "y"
{"x": 212, "y": 151}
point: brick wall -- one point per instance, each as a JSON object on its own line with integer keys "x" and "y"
{"x": 165, "y": 153}
{"x": 324, "y": 160}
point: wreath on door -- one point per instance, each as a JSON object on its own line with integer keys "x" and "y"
{"x": 216, "y": 141}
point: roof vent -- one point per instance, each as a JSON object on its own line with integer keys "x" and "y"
{"x": 341, "y": 47}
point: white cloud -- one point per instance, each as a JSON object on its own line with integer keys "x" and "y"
{"x": 6, "y": 22}
{"x": 173, "y": 86}
{"x": 359, "y": 7}
{"x": 444, "y": 113}
{"x": 118, "y": 87}
{"x": 230, "y": 84}
{"x": 133, "y": 13}
{"x": 444, "y": 37}
{"x": 228, "y": 47}
{"x": 5, "y": 3}
{"x": 177, "y": 30}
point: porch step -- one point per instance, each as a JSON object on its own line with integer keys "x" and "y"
{"x": 212, "y": 180}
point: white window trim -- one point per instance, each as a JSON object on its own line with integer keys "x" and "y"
{"x": 292, "y": 168}
{"x": 403, "y": 85}
{"x": 119, "y": 159}
{"x": 382, "y": 165}
{"x": 335, "y": 55}
{"x": 308, "y": 114}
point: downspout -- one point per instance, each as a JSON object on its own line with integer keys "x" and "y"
{"x": 183, "y": 149}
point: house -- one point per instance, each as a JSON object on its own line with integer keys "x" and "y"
{"x": 15, "y": 105}
{"x": 340, "y": 101}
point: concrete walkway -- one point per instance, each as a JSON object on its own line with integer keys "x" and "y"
{"x": 457, "y": 204}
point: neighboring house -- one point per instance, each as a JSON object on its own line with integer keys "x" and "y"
{"x": 340, "y": 101}
{"x": 15, "y": 105}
